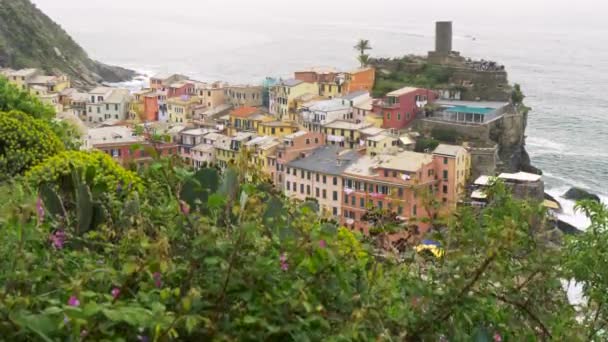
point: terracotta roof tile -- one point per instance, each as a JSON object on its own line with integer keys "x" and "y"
{"x": 244, "y": 112}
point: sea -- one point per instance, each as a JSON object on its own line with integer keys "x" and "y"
{"x": 556, "y": 51}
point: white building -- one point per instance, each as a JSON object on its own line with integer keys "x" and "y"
{"x": 104, "y": 103}
{"x": 319, "y": 113}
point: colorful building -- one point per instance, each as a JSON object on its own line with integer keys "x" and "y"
{"x": 188, "y": 139}
{"x": 277, "y": 129}
{"x": 318, "y": 177}
{"x": 400, "y": 107}
{"x": 333, "y": 83}
{"x": 453, "y": 164}
{"x": 293, "y": 146}
{"x": 261, "y": 149}
{"x": 181, "y": 88}
{"x": 244, "y": 95}
{"x": 226, "y": 149}
{"x": 247, "y": 119}
{"x": 344, "y": 133}
{"x": 318, "y": 113}
{"x": 122, "y": 144}
{"x": 182, "y": 109}
{"x": 106, "y": 103}
{"x": 162, "y": 81}
{"x": 403, "y": 183}
{"x": 284, "y": 94}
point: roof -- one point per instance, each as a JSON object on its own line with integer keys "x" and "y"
{"x": 473, "y": 104}
{"x": 240, "y": 136}
{"x": 23, "y": 72}
{"x": 402, "y": 91}
{"x": 365, "y": 105}
{"x": 292, "y": 82}
{"x": 43, "y": 79}
{"x": 405, "y": 161}
{"x": 355, "y": 94}
{"x": 379, "y": 137}
{"x": 483, "y": 180}
{"x": 197, "y": 131}
{"x": 520, "y": 176}
{"x": 406, "y": 140}
{"x": 111, "y": 135}
{"x": 175, "y": 129}
{"x": 215, "y": 136}
{"x": 223, "y": 143}
{"x": 245, "y": 112}
{"x": 479, "y": 194}
{"x": 371, "y": 131}
{"x": 203, "y": 148}
{"x": 325, "y": 160}
{"x": 118, "y": 96}
{"x": 296, "y": 135}
{"x": 342, "y": 124}
{"x": 263, "y": 143}
{"x": 329, "y": 106}
{"x": 100, "y": 90}
{"x": 448, "y": 150}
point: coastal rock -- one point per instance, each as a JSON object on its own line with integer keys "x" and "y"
{"x": 30, "y": 39}
{"x": 578, "y": 194}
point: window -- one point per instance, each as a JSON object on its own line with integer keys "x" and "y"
{"x": 317, "y": 177}
{"x": 317, "y": 192}
{"x": 408, "y": 116}
{"x": 362, "y": 202}
{"x": 324, "y": 193}
{"x": 346, "y": 199}
{"x": 295, "y": 172}
{"x": 307, "y": 141}
{"x": 115, "y": 107}
{"x": 335, "y": 211}
{"x": 400, "y": 192}
{"x": 414, "y": 211}
{"x": 324, "y": 179}
{"x": 335, "y": 195}
{"x": 385, "y": 173}
{"x": 308, "y": 175}
{"x": 98, "y": 110}
{"x": 335, "y": 180}
{"x": 295, "y": 186}
{"x": 302, "y": 188}
{"x": 445, "y": 200}
{"x": 431, "y": 172}
{"x": 399, "y": 116}
{"x": 308, "y": 189}
{"x": 316, "y": 140}
{"x": 445, "y": 161}
{"x": 388, "y": 115}
{"x": 380, "y": 205}
{"x": 445, "y": 174}
{"x": 288, "y": 187}
{"x": 353, "y": 201}
{"x": 302, "y": 174}
{"x": 395, "y": 174}
{"x": 445, "y": 189}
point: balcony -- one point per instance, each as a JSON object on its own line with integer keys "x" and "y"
{"x": 389, "y": 103}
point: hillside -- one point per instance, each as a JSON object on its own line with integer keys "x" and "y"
{"x": 30, "y": 39}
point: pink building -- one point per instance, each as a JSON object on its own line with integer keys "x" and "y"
{"x": 182, "y": 88}
{"x": 293, "y": 146}
{"x": 318, "y": 177}
{"x": 400, "y": 107}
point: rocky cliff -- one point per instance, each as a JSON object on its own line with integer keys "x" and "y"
{"x": 30, "y": 39}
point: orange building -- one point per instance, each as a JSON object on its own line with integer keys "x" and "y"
{"x": 360, "y": 79}
{"x": 333, "y": 83}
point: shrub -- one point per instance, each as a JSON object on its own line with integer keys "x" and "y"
{"x": 445, "y": 135}
{"x": 109, "y": 174}
{"x": 12, "y": 98}
{"x": 24, "y": 142}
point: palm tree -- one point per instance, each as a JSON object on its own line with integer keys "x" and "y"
{"x": 364, "y": 60}
{"x": 362, "y": 46}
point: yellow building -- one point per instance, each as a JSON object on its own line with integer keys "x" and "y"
{"x": 454, "y": 165}
{"x": 247, "y": 119}
{"x": 53, "y": 84}
{"x": 181, "y": 109}
{"x": 381, "y": 143}
{"x": 344, "y": 133}
{"x": 283, "y": 97}
{"x": 261, "y": 149}
{"x": 51, "y": 99}
{"x": 20, "y": 78}
{"x": 227, "y": 148}
{"x": 277, "y": 129}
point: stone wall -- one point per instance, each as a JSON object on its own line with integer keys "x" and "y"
{"x": 483, "y": 161}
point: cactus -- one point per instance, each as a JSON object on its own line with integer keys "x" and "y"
{"x": 84, "y": 204}
{"x": 51, "y": 200}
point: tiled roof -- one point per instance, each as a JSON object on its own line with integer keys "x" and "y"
{"x": 448, "y": 150}
{"x": 244, "y": 112}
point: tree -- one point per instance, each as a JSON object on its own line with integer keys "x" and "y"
{"x": 362, "y": 46}
{"x": 24, "y": 142}
{"x": 12, "y": 98}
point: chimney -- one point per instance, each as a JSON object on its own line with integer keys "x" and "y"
{"x": 443, "y": 37}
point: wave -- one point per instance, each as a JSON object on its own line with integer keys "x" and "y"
{"x": 570, "y": 215}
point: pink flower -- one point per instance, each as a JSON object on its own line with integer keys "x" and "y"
{"x": 158, "y": 282}
{"x": 57, "y": 239}
{"x": 115, "y": 292}
{"x": 40, "y": 209}
{"x": 73, "y": 301}
{"x": 184, "y": 207}
{"x": 283, "y": 260}
{"x": 497, "y": 337}
{"x": 322, "y": 244}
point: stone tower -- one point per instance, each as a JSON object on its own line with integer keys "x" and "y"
{"x": 443, "y": 37}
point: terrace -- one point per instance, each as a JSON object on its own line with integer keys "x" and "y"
{"x": 468, "y": 112}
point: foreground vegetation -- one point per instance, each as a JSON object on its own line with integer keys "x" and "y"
{"x": 91, "y": 251}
